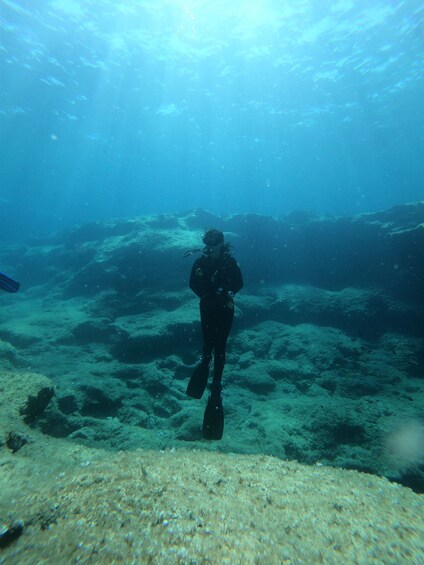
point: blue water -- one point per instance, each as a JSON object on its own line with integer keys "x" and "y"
{"x": 148, "y": 106}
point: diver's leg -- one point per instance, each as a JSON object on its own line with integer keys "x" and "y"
{"x": 199, "y": 379}
{"x": 222, "y": 333}
{"x": 213, "y": 419}
{"x": 207, "y": 323}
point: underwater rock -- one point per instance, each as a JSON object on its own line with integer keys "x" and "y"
{"x": 85, "y": 434}
{"x": 68, "y": 403}
{"x": 149, "y": 344}
{"x": 57, "y": 424}
{"x": 187, "y": 424}
{"x": 138, "y": 349}
{"x": 330, "y": 322}
{"x": 369, "y": 386}
{"x": 16, "y": 440}
{"x": 164, "y": 221}
{"x": 381, "y": 250}
{"x": 369, "y": 249}
{"x": 36, "y": 404}
{"x": 93, "y": 331}
{"x": 100, "y": 402}
{"x": 256, "y": 379}
{"x": 7, "y": 352}
{"x": 25, "y": 396}
{"x": 135, "y": 417}
{"x": 200, "y": 219}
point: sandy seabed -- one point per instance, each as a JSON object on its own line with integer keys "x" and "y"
{"x": 81, "y": 505}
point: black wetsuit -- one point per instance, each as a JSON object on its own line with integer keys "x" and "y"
{"x": 215, "y": 281}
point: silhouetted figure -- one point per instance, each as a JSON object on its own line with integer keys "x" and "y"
{"x": 215, "y": 278}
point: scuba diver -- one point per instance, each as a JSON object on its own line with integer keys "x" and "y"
{"x": 215, "y": 278}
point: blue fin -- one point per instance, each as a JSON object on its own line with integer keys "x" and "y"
{"x": 8, "y": 284}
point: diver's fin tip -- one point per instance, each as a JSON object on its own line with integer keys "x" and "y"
{"x": 213, "y": 420}
{"x": 197, "y": 384}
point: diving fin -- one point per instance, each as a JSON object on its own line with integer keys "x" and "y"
{"x": 213, "y": 420}
{"x": 199, "y": 380}
{"x": 8, "y": 284}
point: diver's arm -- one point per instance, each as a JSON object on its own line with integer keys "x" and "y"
{"x": 236, "y": 282}
{"x": 197, "y": 280}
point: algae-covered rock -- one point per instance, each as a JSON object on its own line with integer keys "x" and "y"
{"x": 23, "y": 398}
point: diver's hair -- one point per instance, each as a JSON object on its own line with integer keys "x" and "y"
{"x": 214, "y": 234}
{"x": 218, "y": 235}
